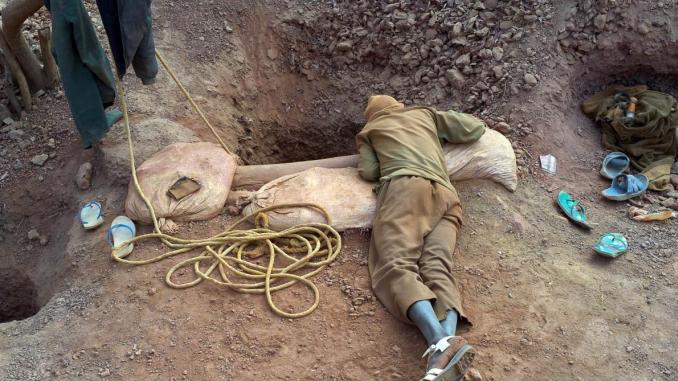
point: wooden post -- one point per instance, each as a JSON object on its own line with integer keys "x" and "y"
{"x": 50, "y": 69}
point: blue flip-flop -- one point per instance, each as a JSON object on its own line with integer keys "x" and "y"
{"x": 614, "y": 165}
{"x": 625, "y": 187}
{"x": 121, "y": 231}
{"x": 91, "y": 215}
{"x": 573, "y": 209}
{"x": 612, "y": 245}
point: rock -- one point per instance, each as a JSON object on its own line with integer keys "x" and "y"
{"x": 464, "y": 60}
{"x": 498, "y": 71}
{"x": 474, "y": 375}
{"x": 599, "y": 21}
{"x": 497, "y": 53}
{"x": 33, "y": 235}
{"x": 674, "y": 180}
{"x": 44, "y": 240}
{"x": 40, "y": 160}
{"x": 51, "y": 143}
{"x": 345, "y": 46}
{"x": 8, "y": 121}
{"x": 519, "y": 224}
{"x": 485, "y": 54}
{"x": 105, "y": 372}
{"x": 83, "y": 178}
{"x": 503, "y": 127}
{"x": 671, "y": 203}
{"x": 272, "y": 54}
{"x": 530, "y": 79}
{"x": 506, "y": 25}
{"x": 491, "y": 4}
{"x": 456, "y": 78}
{"x": 16, "y": 134}
{"x": 482, "y": 32}
{"x": 643, "y": 28}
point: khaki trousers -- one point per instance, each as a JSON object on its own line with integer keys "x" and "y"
{"x": 413, "y": 238}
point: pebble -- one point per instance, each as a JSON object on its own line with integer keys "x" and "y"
{"x": 8, "y": 121}
{"x": 33, "y": 235}
{"x": 530, "y": 79}
{"x": 345, "y": 46}
{"x": 456, "y": 78}
{"x": 83, "y": 178}
{"x": 16, "y": 134}
{"x": 474, "y": 375}
{"x": 503, "y": 127}
{"x": 40, "y": 160}
{"x": 51, "y": 143}
{"x": 600, "y": 21}
{"x": 105, "y": 373}
{"x": 674, "y": 180}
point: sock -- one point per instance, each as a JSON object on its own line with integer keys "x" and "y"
{"x": 450, "y": 322}
{"x": 422, "y": 315}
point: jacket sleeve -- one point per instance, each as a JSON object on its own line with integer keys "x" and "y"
{"x": 368, "y": 165}
{"x": 457, "y": 127}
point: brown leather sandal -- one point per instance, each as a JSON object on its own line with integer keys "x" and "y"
{"x": 453, "y": 362}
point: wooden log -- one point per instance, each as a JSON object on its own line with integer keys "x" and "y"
{"x": 13, "y": 16}
{"x": 254, "y": 176}
{"x": 13, "y": 71}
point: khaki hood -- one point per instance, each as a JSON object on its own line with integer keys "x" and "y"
{"x": 377, "y": 103}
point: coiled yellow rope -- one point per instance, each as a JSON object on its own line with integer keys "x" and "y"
{"x": 294, "y": 255}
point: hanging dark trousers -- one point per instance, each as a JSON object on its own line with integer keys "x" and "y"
{"x": 129, "y": 27}
{"x": 85, "y": 71}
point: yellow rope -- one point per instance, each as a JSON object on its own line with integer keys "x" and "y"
{"x": 191, "y": 101}
{"x": 294, "y": 255}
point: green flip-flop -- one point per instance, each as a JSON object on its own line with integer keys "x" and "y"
{"x": 573, "y": 209}
{"x": 612, "y": 245}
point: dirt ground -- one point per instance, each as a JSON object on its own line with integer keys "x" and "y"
{"x": 286, "y": 81}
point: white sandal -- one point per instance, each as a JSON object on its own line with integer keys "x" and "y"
{"x": 91, "y": 215}
{"x": 122, "y": 230}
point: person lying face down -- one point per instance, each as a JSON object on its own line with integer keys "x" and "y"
{"x": 418, "y": 217}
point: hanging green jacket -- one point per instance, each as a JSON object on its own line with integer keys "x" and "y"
{"x": 85, "y": 71}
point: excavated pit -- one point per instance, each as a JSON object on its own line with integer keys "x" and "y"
{"x": 18, "y": 296}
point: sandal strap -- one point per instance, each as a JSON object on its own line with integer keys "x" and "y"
{"x": 440, "y": 346}
{"x": 116, "y": 226}
{"x": 576, "y": 204}
{"x": 432, "y": 374}
{"x": 91, "y": 204}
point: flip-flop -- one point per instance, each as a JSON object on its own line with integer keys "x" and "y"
{"x": 612, "y": 245}
{"x": 91, "y": 215}
{"x": 614, "y": 165}
{"x": 573, "y": 209}
{"x": 122, "y": 230}
{"x": 625, "y": 187}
